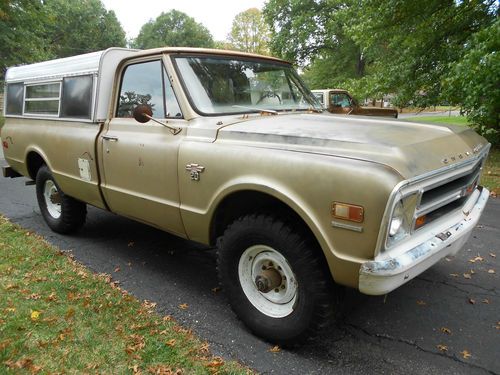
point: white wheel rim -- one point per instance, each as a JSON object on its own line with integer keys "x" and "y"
{"x": 278, "y": 302}
{"x": 51, "y": 195}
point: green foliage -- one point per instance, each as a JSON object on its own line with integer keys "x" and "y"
{"x": 22, "y": 38}
{"x": 173, "y": 29}
{"x": 312, "y": 33}
{"x": 249, "y": 32}
{"x": 74, "y": 28}
{"x": 474, "y": 82}
{"x": 35, "y": 30}
{"x": 410, "y": 44}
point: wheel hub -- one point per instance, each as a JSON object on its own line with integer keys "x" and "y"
{"x": 268, "y": 280}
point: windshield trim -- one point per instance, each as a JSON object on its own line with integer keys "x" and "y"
{"x": 175, "y": 56}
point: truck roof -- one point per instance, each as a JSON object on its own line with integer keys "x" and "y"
{"x": 91, "y": 62}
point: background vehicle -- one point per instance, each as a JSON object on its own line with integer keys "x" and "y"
{"x": 341, "y": 102}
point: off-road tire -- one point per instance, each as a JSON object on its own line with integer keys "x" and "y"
{"x": 70, "y": 213}
{"x": 315, "y": 299}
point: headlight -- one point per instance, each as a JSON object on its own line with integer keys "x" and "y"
{"x": 401, "y": 219}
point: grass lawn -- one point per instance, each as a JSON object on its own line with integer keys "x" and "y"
{"x": 57, "y": 317}
{"x": 450, "y": 120}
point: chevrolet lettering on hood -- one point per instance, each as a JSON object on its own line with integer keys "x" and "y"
{"x": 232, "y": 150}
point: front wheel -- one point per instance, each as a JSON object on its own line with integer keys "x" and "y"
{"x": 62, "y": 213}
{"x": 275, "y": 280}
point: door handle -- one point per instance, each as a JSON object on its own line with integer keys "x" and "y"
{"x": 110, "y": 138}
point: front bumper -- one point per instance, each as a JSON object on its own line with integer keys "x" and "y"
{"x": 383, "y": 276}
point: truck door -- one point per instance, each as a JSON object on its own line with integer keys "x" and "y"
{"x": 139, "y": 161}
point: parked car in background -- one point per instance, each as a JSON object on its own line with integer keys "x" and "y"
{"x": 342, "y": 103}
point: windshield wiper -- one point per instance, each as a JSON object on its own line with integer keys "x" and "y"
{"x": 270, "y": 111}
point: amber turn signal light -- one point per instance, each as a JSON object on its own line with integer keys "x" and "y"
{"x": 348, "y": 211}
{"x": 420, "y": 221}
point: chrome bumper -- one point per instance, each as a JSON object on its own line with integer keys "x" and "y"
{"x": 382, "y": 276}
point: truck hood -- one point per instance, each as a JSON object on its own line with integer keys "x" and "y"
{"x": 409, "y": 148}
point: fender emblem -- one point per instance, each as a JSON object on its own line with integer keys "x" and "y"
{"x": 194, "y": 171}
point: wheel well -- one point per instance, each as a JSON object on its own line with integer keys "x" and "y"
{"x": 250, "y": 202}
{"x": 244, "y": 203}
{"x": 33, "y": 162}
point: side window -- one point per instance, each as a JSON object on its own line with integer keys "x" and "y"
{"x": 319, "y": 96}
{"x": 142, "y": 84}
{"x": 42, "y": 99}
{"x": 340, "y": 100}
{"x": 77, "y": 97}
{"x": 173, "y": 109}
{"x": 15, "y": 92}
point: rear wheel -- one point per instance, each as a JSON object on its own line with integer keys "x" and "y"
{"x": 275, "y": 281}
{"x": 62, "y": 213}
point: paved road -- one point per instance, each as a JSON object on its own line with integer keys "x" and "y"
{"x": 398, "y": 334}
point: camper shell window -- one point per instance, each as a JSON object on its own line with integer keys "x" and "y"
{"x": 15, "y": 92}
{"x": 42, "y": 99}
{"x": 77, "y": 97}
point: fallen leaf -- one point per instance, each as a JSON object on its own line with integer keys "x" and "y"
{"x": 493, "y": 255}
{"x": 447, "y": 259}
{"x": 275, "y": 349}
{"x": 216, "y": 362}
{"x": 472, "y": 272}
{"x": 51, "y": 297}
{"x": 421, "y": 303}
{"x": 486, "y": 301}
{"x": 498, "y": 325}
{"x": 216, "y": 289}
{"x": 171, "y": 342}
{"x": 4, "y": 344}
{"x": 472, "y": 301}
{"x": 183, "y": 306}
{"x": 478, "y": 258}
{"x": 465, "y": 354}
{"x": 205, "y": 348}
{"x": 117, "y": 269}
{"x": 70, "y": 313}
{"x": 167, "y": 318}
{"x": 131, "y": 244}
{"x": 491, "y": 271}
{"x": 467, "y": 276}
{"x": 442, "y": 348}
{"x": 454, "y": 274}
{"x": 446, "y": 330}
{"x": 35, "y": 315}
{"x": 129, "y": 264}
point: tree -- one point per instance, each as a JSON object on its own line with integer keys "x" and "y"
{"x": 312, "y": 33}
{"x": 474, "y": 82}
{"x": 21, "y": 33}
{"x": 79, "y": 27}
{"x": 35, "y": 30}
{"x": 175, "y": 29}
{"x": 249, "y": 32}
{"x": 410, "y": 45}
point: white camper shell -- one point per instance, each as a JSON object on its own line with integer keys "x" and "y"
{"x": 74, "y": 88}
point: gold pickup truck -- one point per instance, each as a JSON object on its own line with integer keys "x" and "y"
{"x": 340, "y": 102}
{"x": 232, "y": 150}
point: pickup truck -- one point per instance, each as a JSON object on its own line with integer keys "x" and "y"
{"x": 232, "y": 150}
{"x": 340, "y": 102}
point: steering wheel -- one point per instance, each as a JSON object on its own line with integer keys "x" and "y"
{"x": 268, "y": 94}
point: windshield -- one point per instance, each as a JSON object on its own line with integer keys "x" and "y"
{"x": 220, "y": 85}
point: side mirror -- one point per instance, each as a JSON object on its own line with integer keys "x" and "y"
{"x": 143, "y": 113}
